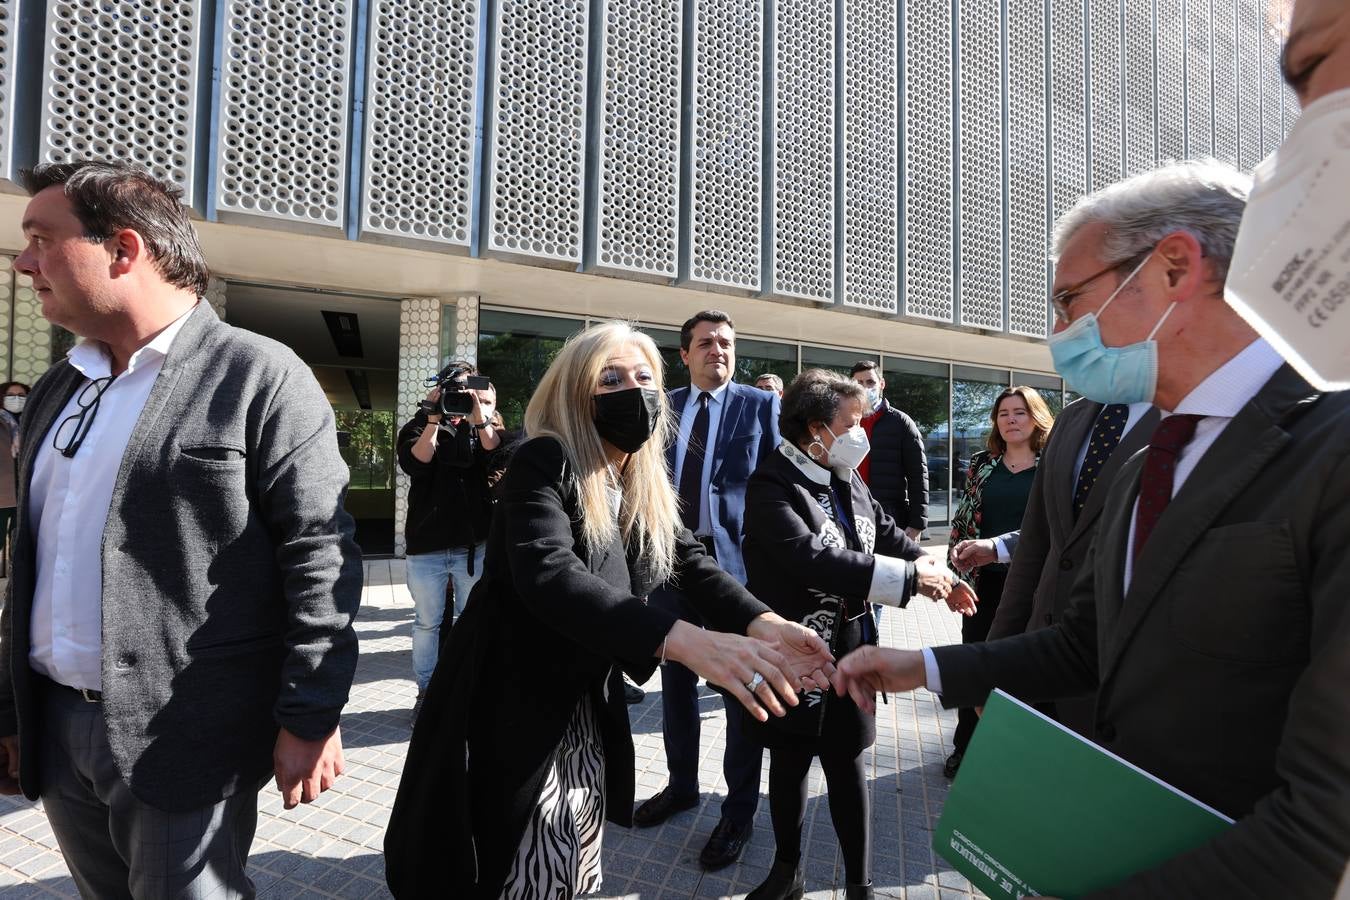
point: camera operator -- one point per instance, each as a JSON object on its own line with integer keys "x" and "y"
{"x": 453, "y": 461}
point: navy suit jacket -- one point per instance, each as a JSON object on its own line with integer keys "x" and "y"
{"x": 747, "y": 434}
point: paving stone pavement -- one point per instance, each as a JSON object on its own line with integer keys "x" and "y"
{"x": 331, "y": 849}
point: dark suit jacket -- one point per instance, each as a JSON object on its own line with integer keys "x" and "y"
{"x": 809, "y": 570}
{"x": 748, "y": 433}
{"x": 230, "y": 576}
{"x": 1224, "y": 669}
{"x": 1052, "y": 546}
{"x": 550, "y": 622}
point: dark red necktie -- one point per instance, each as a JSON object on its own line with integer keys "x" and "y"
{"x": 1160, "y": 467}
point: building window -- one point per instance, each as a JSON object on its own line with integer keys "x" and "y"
{"x": 366, "y": 442}
{"x": 974, "y": 391}
{"x": 756, "y": 358}
{"x": 515, "y": 350}
{"x": 1050, "y": 387}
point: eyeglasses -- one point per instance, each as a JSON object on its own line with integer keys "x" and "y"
{"x": 1061, "y": 300}
{"x": 74, "y": 428}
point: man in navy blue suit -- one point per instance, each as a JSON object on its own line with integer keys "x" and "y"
{"x": 724, "y": 430}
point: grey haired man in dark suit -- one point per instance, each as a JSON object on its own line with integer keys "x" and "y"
{"x": 178, "y": 628}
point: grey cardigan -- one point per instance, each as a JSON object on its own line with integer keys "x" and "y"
{"x": 230, "y": 575}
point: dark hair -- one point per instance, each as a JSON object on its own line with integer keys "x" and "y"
{"x": 4, "y": 388}
{"x": 716, "y": 316}
{"x": 814, "y": 396}
{"x": 109, "y": 196}
{"x": 864, "y": 365}
{"x": 1040, "y": 413}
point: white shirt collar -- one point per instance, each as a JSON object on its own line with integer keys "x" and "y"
{"x": 1229, "y": 387}
{"x": 714, "y": 396}
{"x": 93, "y": 360}
{"x": 816, "y": 473}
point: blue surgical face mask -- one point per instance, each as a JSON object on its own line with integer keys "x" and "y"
{"x": 1105, "y": 374}
{"x": 873, "y": 397}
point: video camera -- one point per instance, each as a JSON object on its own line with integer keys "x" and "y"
{"x": 455, "y": 384}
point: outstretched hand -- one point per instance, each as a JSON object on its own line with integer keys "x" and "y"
{"x": 961, "y": 599}
{"x": 870, "y": 669}
{"x": 807, "y": 655}
{"x": 732, "y": 662}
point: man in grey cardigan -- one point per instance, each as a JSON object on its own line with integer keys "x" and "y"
{"x": 178, "y": 628}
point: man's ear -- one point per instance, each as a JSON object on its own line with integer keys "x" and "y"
{"x": 127, "y": 248}
{"x": 1183, "y": 269}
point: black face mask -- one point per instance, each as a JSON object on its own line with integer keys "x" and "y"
{"x": 627, "y": 418}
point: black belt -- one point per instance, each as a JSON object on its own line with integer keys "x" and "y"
{"x": 85, "y": 694}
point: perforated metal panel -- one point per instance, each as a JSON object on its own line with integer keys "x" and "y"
{"x": 8, "y": 51}
{"x": 1271, "y": 25}
{"x": 1171, "y": 79}
{"x": 1249, "y": 84}
{"x": 120, "y": 81}
{"x": 1140, "y": 129}
{"x": 1107, "y": 58}
{"x": 1028, "y": 240}
{"x": 419, "y": 338}
{"x": 1225, "y": 81}
{"x": 802, "y": 230}
{"x": 1199, "y": 88}
{"x": 637, "y": 224}
{"x": 539, "y": 129}
{"x": 1292, "y": 110}
{"x": 981, "y": 164}
{"x": 1068, "y": 117}
{"x": 871, "y": 160}
{"x": 421, "y": 67}
{"x": 6, "y": 310}
{"x": 726, "y": 162}
{"x": 284, "y": 105}
{"x": 31, "y": 340}
{"x": 928, "y": 220}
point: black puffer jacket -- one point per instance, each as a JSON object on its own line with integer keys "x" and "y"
{"x": 898, "y": 473}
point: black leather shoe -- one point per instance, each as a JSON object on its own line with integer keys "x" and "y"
{"x": 661, "y": 807}
{"x": 726, "y": 845}
{"x": 953, "y": 763}
{"x": 858, "y": 891}
{"x": 632, "y": 693}
{"x": 786, "y": 881}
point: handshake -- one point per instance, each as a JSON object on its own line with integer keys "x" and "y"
{"x": 937, "y": 582}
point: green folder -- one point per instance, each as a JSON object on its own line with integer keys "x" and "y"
{"x": 1036, "y": 809}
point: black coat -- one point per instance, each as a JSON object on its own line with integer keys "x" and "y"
{"x": 450, "y": 498}
{"x": 897, "y": 473}
{"x": 809, "y": 570}
{"x": 549, "y": 623}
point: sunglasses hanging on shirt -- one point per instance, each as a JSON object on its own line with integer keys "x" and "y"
{"x": 74, "y": 428}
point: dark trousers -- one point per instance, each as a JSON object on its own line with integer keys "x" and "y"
{"x": 743, "y": 757}
{"x": 846, "y": 787}
{"x": 974, "y": 629}
{"x": 118, "y": 846}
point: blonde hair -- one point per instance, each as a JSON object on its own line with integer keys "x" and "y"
{"x": 1037, "y": 408}
{"x": 563, "y": 407}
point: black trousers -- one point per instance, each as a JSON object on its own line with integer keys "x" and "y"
{"x": 847, "y": 791}
{"x": 974, "y": 629}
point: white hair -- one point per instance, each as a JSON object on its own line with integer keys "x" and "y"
{"x": 1204, "y": 198}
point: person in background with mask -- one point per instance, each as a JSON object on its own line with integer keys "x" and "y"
{"x": 998, "y": 486}
{"x": 820, "y": 550}
{"x": 15, "y": 394}
{"x": 896, "y": 469}
{"x": 523, "y": 747}
{"x": 1212, "y": 616}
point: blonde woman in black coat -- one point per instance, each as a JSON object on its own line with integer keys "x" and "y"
{"x": 820, "y": 550}
{"x": 523, "y": 747}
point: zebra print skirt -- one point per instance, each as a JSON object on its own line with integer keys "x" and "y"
{"x": 559, "y": 854}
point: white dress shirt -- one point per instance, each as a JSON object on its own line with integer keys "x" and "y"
{"x": 1218, "y": 398}
{"x": 68, "y": 507}
{"x": 716, "y": 406}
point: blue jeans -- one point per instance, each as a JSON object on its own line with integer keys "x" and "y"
{"x": 428, "y": 575}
